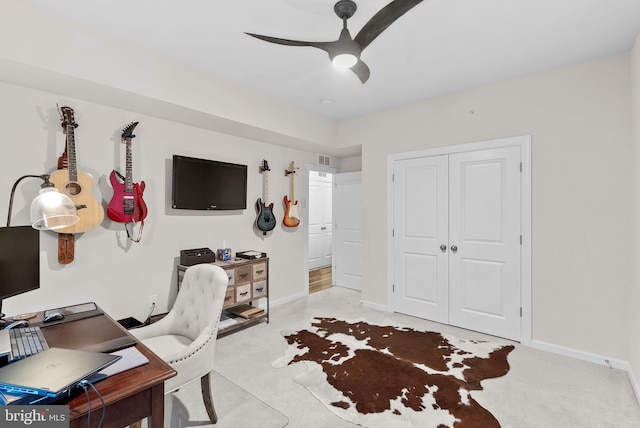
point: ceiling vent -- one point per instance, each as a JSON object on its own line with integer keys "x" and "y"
{"x": 324, "y": 160}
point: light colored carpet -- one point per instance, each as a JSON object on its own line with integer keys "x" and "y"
{"x": 235, "y": 407}
{"x": 541, "y": 389}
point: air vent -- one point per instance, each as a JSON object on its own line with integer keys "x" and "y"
{"x": 324, "y": 160}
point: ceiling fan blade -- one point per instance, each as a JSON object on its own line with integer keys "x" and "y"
{"x": 287, "y": 42}
{"x": 381, "y": 20}
{"x": 361, "y": 70}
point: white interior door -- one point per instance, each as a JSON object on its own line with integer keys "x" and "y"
{"x": 320, "y": 219}
{"x": 348, "y": 230}
{"x": 484, "y": 227}
{"x": 456, "y": 239}
{"x": 420, "y": 215}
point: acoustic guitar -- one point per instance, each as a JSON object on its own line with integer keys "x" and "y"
{"x": 77, "y": 185}
{"x": 291, "y": 216}
{"x": 265, "y": 221}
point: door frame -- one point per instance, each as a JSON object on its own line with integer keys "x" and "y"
{"x": 305, "y": 207}
{"x": 524, "y": 142}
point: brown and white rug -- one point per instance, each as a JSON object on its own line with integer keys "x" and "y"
{"x": 381, "y": 376}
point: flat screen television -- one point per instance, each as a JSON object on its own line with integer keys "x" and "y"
{"x": 203, "y": 184}
{"x": 19, "y": 260}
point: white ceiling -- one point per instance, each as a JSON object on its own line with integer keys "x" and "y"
{"x": 438, "y": 47}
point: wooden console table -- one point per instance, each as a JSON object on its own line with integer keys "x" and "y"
{"x": 248, "y": 285}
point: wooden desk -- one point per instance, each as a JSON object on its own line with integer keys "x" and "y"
{"x": 128, "y": 396}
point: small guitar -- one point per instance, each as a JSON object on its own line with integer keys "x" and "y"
{"x": 266, "y": 221}
{"x": 291, "y": 216}
{"x": 127, "y": 205}
{"x": 77, "y": 185}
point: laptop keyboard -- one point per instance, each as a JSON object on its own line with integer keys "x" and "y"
{"x": 26, "y": 342}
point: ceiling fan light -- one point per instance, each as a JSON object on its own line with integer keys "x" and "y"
{"x": 345, "y": 60}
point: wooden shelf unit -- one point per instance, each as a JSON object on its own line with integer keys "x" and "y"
{"x": 248, "y": 285}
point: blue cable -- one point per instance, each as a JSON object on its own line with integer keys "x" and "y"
{"x": 83, "y": 384}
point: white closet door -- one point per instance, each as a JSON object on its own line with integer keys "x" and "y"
{"x": 348, "y": 230}
{"x": 420, "y": 228}
{"x": 484, "y": 226}
{"x": 320, "y": 219}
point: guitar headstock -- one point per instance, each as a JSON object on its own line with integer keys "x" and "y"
{"x": 291, "y": 170}
{"x": 67, "y": 117}
{"x": 127, "y": 132}
{"x": 264, "y": 166}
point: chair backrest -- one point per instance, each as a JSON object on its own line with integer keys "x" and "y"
{"x": 196, "y": 311}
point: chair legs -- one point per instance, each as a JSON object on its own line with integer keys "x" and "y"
{"x": 205, "y": 383}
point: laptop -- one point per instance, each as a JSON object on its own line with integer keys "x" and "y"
{"x": 52, "y": 372}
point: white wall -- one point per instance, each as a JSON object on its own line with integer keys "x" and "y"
{"x": 579, "y": 119}
{"x": 45, "y": 51}
{"x": 634, "y": 300}
{"x": 109, "y": 269}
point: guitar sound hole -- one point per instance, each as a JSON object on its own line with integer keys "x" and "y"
{"x": 73, "y": 188}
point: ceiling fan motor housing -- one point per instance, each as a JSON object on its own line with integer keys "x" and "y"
{"x": 345, "y": 9}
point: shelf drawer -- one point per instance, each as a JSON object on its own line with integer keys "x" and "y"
{"x": 229, "y": 297}
{"x": 243, "y": 293}
{"x": 259, "y": 271}
{"x": 243, "y": 274}
{"x": 259, "y": 289}
{"x": 231, "y": 274}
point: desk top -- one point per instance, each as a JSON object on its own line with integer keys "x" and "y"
{"x": 88, "y": 332}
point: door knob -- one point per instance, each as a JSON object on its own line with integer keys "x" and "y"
{"x": 443, "y": 247}
{"x": 454, "y": 248}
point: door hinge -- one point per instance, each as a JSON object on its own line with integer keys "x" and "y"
{"x": 520, "y": 239}
{"x": 393, "y": 177}
{"x": 393, "y": 233}
{"x": 520, "y": 311}
{"x": 520, "y": 166}
{"x": 393, "y": 288}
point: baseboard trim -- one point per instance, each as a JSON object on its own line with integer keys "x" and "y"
{"x": 377, "y": 306}
{"x": 581, "y": 355}
{"x": 634, "y": 383}
{"x": 288, "y": 299}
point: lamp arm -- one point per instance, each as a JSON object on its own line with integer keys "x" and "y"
{"x": 43, "y": 177}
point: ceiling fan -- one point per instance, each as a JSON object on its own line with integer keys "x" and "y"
{"x": 345, "y": 52}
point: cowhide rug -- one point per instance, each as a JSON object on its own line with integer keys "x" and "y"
{"x": 382, "y": 376}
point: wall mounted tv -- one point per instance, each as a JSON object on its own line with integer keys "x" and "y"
{"x": 203, "y": 184}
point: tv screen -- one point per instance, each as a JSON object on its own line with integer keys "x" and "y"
{"x": 19, "y": 260}
{"x": 203, "y": 184}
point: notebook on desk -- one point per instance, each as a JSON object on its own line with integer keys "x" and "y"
{"x": 52, "y": 372}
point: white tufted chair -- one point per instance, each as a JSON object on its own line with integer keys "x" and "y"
{"x": 186, "y": 337}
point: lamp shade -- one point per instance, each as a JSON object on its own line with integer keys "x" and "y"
{"x": 52, "y": 210}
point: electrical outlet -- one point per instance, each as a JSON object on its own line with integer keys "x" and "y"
{"x": 153, "y": 300}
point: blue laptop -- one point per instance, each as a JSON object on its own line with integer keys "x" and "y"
{"x": 53, "y": 372}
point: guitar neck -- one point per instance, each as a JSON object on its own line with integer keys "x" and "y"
{"x": 71, "y": 148}
{"x": 128, "y": 182}
{"x": 291, "y": 177}
{"x": 265, "y": 174}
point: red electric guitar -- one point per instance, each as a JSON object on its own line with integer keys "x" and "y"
{"x": 127, "y": 205}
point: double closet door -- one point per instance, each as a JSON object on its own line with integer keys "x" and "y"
{"x": 457, "y": 239}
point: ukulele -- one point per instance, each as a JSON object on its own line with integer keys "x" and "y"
{"x": 266, "y": 221}
{"x": 127, "y": 205}
{"x": 77, "y": 185}
{"x": 291, "y": 216}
